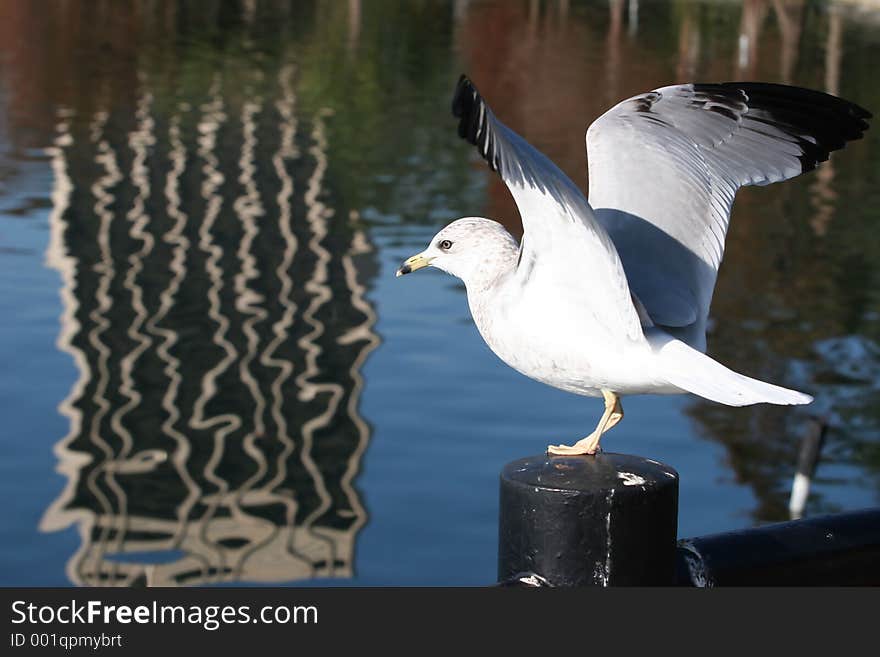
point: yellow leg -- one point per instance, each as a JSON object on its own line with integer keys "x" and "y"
{"x": 590, "y": 445}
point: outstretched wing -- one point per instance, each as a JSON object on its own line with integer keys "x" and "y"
{"x": 562, "y": 246}
{"x": 665, "y": 166}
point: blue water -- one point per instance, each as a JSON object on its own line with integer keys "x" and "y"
{"x": 354, "y": 424}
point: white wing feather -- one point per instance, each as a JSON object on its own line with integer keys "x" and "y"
{"x": 562, "y": 244}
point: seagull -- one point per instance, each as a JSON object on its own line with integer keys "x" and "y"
{"x": 610, "y": 296}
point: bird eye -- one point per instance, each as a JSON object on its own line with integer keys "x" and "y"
{"x": 445, "y": 245}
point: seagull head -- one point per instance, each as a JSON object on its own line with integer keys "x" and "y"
{"x": 474, "y": 249}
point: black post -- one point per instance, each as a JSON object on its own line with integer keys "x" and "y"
{"x": 836, "y": 550}
{"x": 604, "y": 520}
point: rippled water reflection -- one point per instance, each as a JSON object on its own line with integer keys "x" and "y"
{"x": 213, "y": 376}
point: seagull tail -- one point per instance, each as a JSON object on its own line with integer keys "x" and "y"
{"x": 690, "y": 370}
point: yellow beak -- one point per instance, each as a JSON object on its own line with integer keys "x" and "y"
{"x": 411, "y": 264}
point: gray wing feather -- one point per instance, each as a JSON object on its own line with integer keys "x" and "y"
{"x": 665, "y": 167}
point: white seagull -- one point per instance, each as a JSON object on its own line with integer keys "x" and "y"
{"x": 610, "y": 297}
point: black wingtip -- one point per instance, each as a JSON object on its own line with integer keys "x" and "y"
{"x": 822, "y": 123}
{"x": 474, "y": 125}
{"x": 465, "y": 106}
{"x": 464, "y": 88}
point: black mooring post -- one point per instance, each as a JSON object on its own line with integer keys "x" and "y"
{"x": 604, "y": 520}
{"x": 842, "y": 549}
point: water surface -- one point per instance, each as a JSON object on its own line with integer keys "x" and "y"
{"x": 212, "y": 375}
